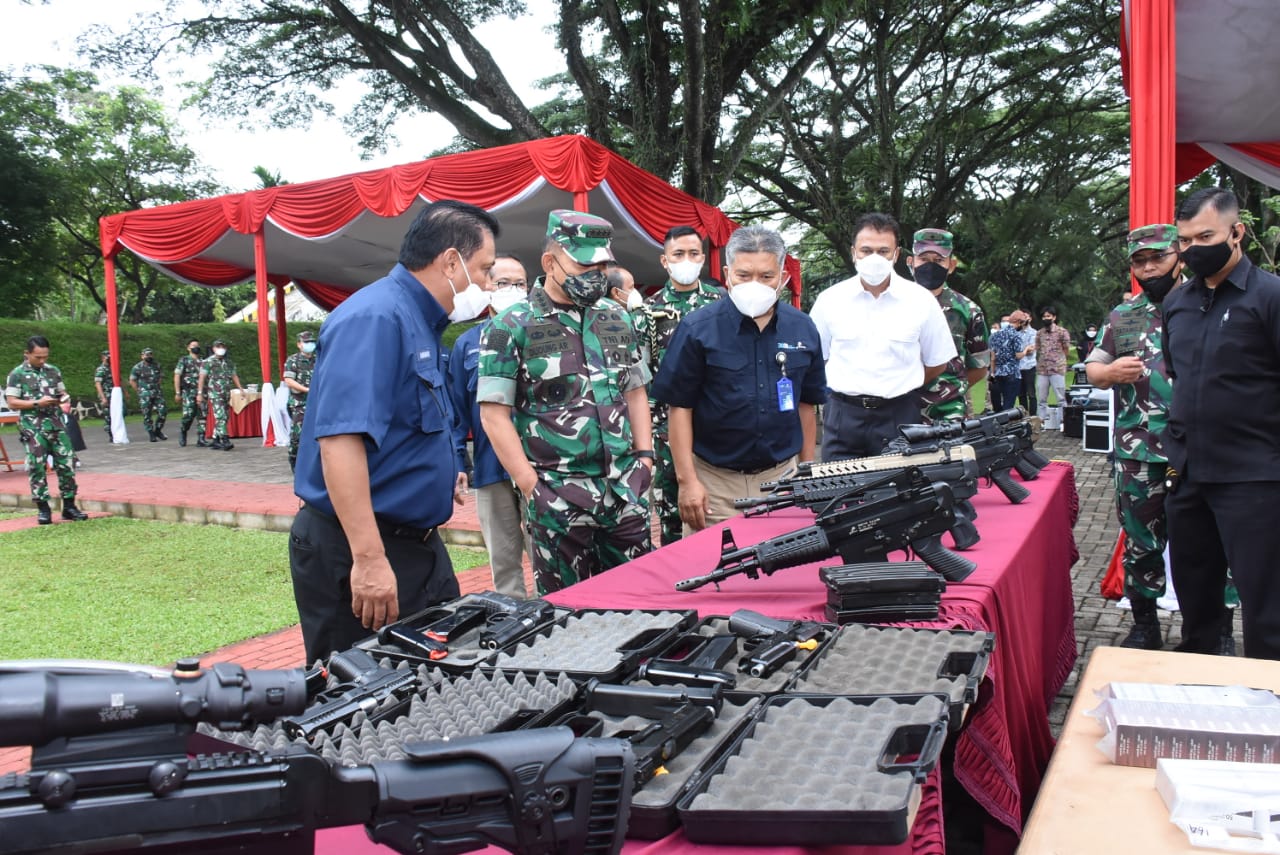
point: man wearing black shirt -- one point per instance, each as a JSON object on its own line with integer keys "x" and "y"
{"x": 1222, "y": 343}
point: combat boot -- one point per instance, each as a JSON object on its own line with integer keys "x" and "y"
{"x": 160, "y": 434}
{"x": 216, "y": 445}
{"x": 153, "y": 436}
{"x": 1145, "y": 634}
{"x": 201, "y": 441}
{"x": 71, "y": 512}
{"x": 182, "y": 439}
{"x": 44, "y": 516}
{"x": 226, "y": 444}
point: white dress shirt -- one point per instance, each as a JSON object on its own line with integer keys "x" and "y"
{"x": 880, "y": 345}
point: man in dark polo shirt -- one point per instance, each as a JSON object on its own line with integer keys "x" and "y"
{"x": 742, "y": 377}
{"x": 1222, "y": 345}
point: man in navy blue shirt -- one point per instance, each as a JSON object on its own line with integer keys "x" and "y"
{"x": 741, "y": 377}
{"x": 499, "y": 505}
{"x": 1222, "y": 347}
{"x": 376, "y": 470}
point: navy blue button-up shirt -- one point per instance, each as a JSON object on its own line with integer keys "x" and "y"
{"x": 464, "y": 370}
{"x": 1222, "y": 349}
{"x": 379, "y": 374}
{"x": 726, "y": 369}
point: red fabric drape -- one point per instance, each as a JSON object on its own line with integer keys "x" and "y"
{"x": 113, "y": 317}
{"x": 282, "y": 330}
{"x": 1152, "y": 111}
{"x": 325, "y": 296}
{"x": 264, "y": 323}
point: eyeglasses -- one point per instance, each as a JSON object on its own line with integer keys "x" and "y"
{"x": 511, "y": 283}
{"x": 1151, "y": 258}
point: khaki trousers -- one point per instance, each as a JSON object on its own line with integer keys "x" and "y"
{"x": 725, "y": 485}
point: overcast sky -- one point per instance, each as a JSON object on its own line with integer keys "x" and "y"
{"x": 48, "y": 33}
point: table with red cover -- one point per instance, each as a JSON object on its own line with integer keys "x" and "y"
{"x": 1021, "y": 591}
{"x": 247, "y": 422}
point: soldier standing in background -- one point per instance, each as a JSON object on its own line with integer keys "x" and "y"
{"x": 217, "y": 376}
{"x": 566, "y": 366}
{"x": 36, "y": 391}
{"x": 145, "y": 380}
{"x": 947, "y": 396}
{"x": 104, "y": 383}
{"x": 297, "y": 376}
{"x": 622, "y": 290}
{"x": 186, "y": 383}
{"x": 682, "y": 258}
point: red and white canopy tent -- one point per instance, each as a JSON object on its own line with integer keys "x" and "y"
{"x": 334, "y": 236}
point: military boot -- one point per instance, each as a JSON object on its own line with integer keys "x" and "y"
{"x": 182, "y": 439}
{"x": 226, "y": 444}
{"x": 44, "y": 516}
{"x": 216, "y": 445}
{"x": 160, "y": 434}
{"x": 201, "y": 441}
{"x": 71, "y": 512}
{"x": 153, "y": 436}
{"x": 1145, "y": 634}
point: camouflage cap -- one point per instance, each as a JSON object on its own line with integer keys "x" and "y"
{"x": 1158, "y": 236}
{"x": 932, "y": 240}
{"x": 146, "y": 351}
{"x": 584, "y": 236}
{"x": 306, "y": 335}
{"x": 218, "y": 341}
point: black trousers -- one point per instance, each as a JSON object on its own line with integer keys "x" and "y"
{"x": 1213, "y": 527}
{"x": 320, "y": 563}
{"x": 1027, "y": 394}
{"x": 850, "y": 430}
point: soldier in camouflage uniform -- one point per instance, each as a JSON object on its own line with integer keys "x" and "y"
{"x": 36, "y": 391}
{"x": 1128, "y": 356}
{"x": 145, "y": 380}
{"x": 563, "y": 401}
{"x": 947, "y": 396}
{"x": 682, "y": 258}
{"x": 186, "y": 383}
{"x": 297, "y": 376}
{"x": 217, "y": 376}
{"x": 623, "y": 291}
{"x": 104, "y": 383}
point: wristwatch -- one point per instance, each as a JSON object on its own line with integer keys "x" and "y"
{"x": 645, "y": 454}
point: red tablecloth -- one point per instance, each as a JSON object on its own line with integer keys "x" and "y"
{"x": 1021, "y": 591}
{"x": 247, "y": 422}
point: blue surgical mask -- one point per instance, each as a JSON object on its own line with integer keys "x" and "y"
{"x": 308, "y": 347}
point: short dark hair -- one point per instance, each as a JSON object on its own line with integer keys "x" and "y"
{"x": 196, "y": 340}
{"x": 679, "y": 232}
{"x": 1050, "y": 310}
{"x": 876, "y": 222}
{"x": 1220, "y": 199}
{"x": 443, "y": 225}
{"x": 613, "y": 277}
{"x": 36, "y": 341}
{"x": 508, "y": 255}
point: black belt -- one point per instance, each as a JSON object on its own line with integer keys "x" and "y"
{"x": 385, "y": 527}
{"x": 764, "y": 468}
{"x": 867, "y": 402}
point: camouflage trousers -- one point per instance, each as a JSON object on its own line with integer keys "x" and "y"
{"x": 191, "y": 412}
{"x": 154, "y": 411}
{"x": 1140, "y": 510}
{"x": 666, "y": 491}
{"x": 43, "y": 444}
{"x": 296, "y": 413}
{"x": 579, "y": 527}
{"x": 221, "y": 404}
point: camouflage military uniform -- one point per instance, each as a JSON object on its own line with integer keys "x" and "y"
{"x": 665, "y": 309}
{"x": 947, "y": 397}
{"x": 102, "y": 376}
{"x": 1142, "y": 415}
{"x": 188, "y": 372}
{"x": 297, "y": 367}
{"x": 564, "y": 371}
{"x": 218, "y": 371}
{"x": 150, "y": 396}
{"x": 43, "y": 431}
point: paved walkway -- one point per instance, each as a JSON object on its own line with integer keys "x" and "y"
{"x": 249, "y": 486}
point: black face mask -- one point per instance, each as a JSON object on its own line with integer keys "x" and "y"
{"x": 931, "y": 275}
{"x": 195, "y": 351}
{"x": 1207, "y": 260}
{"x": 148, "y": 359}
{"x": 1157, "y": 288}
{"x": 585, "y": 289}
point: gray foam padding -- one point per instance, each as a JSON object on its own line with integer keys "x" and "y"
{"x": 588, "y": 642}
{"x": 873, "y": 660}
{"x": 802, "y": 756}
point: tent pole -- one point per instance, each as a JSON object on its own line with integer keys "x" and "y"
{"x": 1152, "y": 112}
{"x": 260, "y": 281}
{"x": 282, "y": 329}
{"x": 580, "y": 202}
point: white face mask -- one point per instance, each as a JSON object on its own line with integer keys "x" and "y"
{"x": 753, "y": 298}
{"x": 874, "y": 269}
{"x": 308, "y": 347}
{"x": 471, "y": 302}
{"x": 505, "y": 298}
{"x": 684, "y": 272}
{"x": 219, "y": 351}
{"x": 635, "y": 301}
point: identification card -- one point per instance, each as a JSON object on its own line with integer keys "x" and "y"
{"x": 786, "y": 396}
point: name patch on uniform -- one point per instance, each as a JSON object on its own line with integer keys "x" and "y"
{"x": 545, "y": 340}
{"x": 1127, "y": 332}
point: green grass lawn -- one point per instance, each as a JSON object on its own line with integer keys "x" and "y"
{"x": 149, "y": 592}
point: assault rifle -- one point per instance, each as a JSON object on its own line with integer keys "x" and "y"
{"x": 1002, "y": 442}
{"x": 363, "y": 686}
{"x": 117, "y": 766}
{"x": 914, "y": 516}
{"x": 956, "y": 465}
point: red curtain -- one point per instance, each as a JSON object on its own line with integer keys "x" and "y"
{"x": 1152, "y": 111}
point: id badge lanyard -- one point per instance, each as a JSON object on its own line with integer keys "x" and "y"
{"x": 786, "y": 392}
